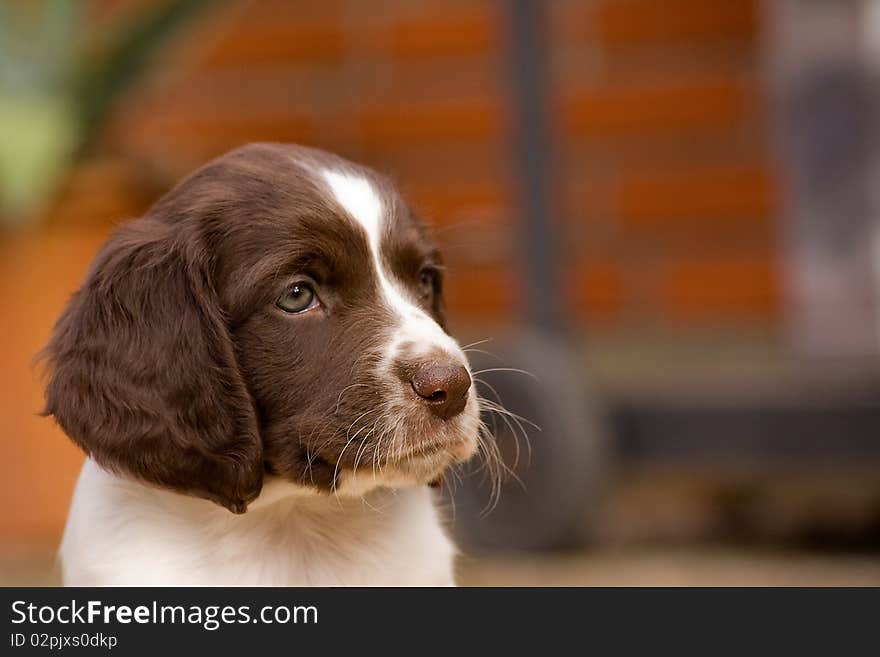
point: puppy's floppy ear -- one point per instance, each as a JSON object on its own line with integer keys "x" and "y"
{"x": 143, "y": 374}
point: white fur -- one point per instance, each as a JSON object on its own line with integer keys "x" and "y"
{"x": 417, "y": 329}
{"x": 121, "y": 532}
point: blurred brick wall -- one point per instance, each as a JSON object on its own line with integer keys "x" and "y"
{"x": 665, "y": 199}
{"x": 665, "y": 196}
{"x": 665, "y": 156}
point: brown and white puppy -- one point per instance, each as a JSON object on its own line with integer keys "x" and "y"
{"x": 259, "y": 372}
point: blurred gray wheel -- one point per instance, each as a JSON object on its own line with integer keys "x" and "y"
{"x": 560, "y": 478}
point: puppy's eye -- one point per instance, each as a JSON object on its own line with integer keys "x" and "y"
{"x": 427, "y": 281}
{"x": 298, "y": 299}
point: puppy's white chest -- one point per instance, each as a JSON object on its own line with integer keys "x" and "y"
{"x": 123, "y": 533}
{"x": 398, "y": 541}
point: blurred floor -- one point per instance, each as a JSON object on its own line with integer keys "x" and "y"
{"x": 643, "y": 566}
{"x": 687, "y": 566}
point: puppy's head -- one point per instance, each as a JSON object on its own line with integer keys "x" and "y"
{"x": 280, "y": 312}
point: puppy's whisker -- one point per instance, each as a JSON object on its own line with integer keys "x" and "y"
{"x": 507, "y": 369}
{"x": 493, "y": 406}
{"x": 491, "y": 459}
{"x": 499, "y": 409}
{"x": 513, "y": 432}
{"x": 358, "y": 418}
{"x": 487, "y": 467}
{"x": 345, "y": 447}
{"x": 483, "y": 351}
{"x": 508, "y": 468}
{"x": 517, "y": 420}
{"x": 474, "y": 344}
{"x": 339, "y": 398}
{"x": 376, "y": 452}
{"x": 359, "y": 452}
{"x": 331, "y": 439}
{"x": 311, "y": 455}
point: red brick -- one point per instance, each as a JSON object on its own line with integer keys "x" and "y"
{"x": 281, "y": 43}
{"x": 451, "y": 201}
{"x": 215, "y": 133}
{"x": 594, "y": 292}
{"x": 658, "y": 107}
{"x": 473, "y": 31}
{"x": 408, "y": 122}
{"x": 637, "y": 22}
{"x": 707, "y": 196}
{"x": 480, "y": 293}
{"x": 721, "y": 288}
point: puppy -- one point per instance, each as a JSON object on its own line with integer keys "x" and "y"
{"x": 259, "y": 372}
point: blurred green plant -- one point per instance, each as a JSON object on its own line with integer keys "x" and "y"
{"x": 56, "y": 90}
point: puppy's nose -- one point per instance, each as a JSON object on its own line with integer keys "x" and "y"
{"x": 443, "y": 387}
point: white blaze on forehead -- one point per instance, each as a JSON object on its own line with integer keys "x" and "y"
{"x": 359, "y": 199}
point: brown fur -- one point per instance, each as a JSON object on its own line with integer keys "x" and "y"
{"x": 172, "y": 363}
